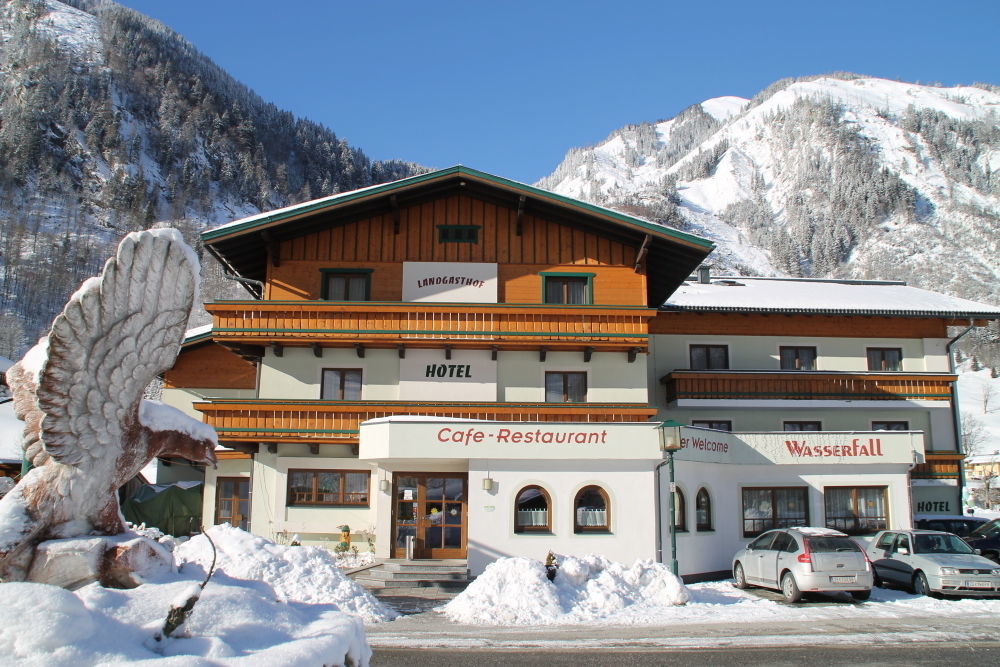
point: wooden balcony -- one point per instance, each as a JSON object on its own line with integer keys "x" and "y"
{"x": 938, "y": 466}
{"x": 336, "y": 422}
{"x": 807, "y": 385}
{"x": 378, "y": 324}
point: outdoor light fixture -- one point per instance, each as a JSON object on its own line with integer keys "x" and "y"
{"x": 670, "y": 442}
{"x": 385, "y": 485}
{"x": 487, "y": 484}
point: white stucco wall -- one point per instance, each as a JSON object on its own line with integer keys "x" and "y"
{"x": 182, "y": 399}
{"x": 297, "y": 374}
{"x": 610, "y": 377}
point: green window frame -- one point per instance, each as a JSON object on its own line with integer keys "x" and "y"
{"x": 458, "y": 233}
{"x": 352, "y": 278}
{"x": 557, "y": 288}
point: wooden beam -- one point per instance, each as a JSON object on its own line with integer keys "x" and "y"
{"x": 273, "y": 248}
{"x": 643, "y": 249}
{"x": 272, "y": 447}
{"x": 542, "y": 351}
{"x": 394, "y": 202}
{"x": 277, "y": 349}
{"x": 632, "y": 354}
{"x": 520, "y": 214}
{"x": 314, "y": 449}
{"x": 360, "y": 349}
{"x": 587, "y": 353}
{"x": 317, "y": 350}
{"x": 447, "y": 352}
{"x": 494, "y": 351}
{"x": 402, "y": 351}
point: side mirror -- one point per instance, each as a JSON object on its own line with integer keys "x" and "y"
{"x": 979, "y": 552}
{"x": 903, "y": 551}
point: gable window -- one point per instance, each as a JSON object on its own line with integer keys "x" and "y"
{"x": 709, "y": 357}
{"x": 802, "y": 426}
{"x": 341, "y": 384}
{"x": 531, "y": 511}
{"x": 703, "y": 511}
{"x": 891, "y": 426}
{"x": 567, "y": 288}
{"x": 856, "y": 510}
{"x": 563, "y": 387}
{"x": 346, "y": 284}
{"x": 591, "y": 510}
{"x": 328, "y": 487}
{"x": 885, "y": 359}
{"x": 714, "y": 425}
{"x": 797, "y": 358}
{"x": 779, "y": 507}
{"x": 458, "y": 233}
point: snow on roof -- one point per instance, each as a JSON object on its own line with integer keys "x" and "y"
{"x": 197, "y": 332}
{"x": 734, "y": 293}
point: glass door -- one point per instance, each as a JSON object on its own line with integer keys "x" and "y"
{"x": 430, "y": 508}
{"x": 232, "y": 501}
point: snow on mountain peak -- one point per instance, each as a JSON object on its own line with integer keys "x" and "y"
{"x": 75, "y": 31}
{"x": 724, "y": 108}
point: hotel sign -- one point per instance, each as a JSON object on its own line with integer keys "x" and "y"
{"x": 426, "y": 375}
{"x": 450, "y": 282}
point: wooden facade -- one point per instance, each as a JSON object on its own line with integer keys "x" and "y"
{"x": 337, "y": 422}
{"x": 938, "y": 466}
{"x": 209, "y": 365}
{"x": 807, "y": 385}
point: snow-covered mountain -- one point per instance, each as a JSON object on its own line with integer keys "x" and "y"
{"x": 837, "y": 175}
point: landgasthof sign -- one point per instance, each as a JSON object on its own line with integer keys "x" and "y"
{"x": 399, "y": 437}
{"x": 450, "y": 282}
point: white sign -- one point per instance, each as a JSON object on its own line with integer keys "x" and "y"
{"x": 426, "y": 375}
{"x": 450, "y": 282}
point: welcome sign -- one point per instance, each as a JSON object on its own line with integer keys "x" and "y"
{"x": 450, "y": 282}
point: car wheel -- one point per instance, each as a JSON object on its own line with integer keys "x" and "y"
{"x": 920, "y": 585}
{"x": 790, "y": 589}
{"x": 861, "y": 596}
{"x": 739, "y": 578}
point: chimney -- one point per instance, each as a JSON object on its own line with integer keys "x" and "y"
{"x": 704, "y": 274}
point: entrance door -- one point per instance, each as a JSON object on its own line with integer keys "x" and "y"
{"x": 232, "y": 501}
{"x": 431, "y": 508}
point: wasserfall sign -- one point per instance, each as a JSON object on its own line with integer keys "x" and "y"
{"x": 872, "y": 447}
{"x": 400, "y": 438}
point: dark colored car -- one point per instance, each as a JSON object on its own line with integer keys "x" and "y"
{"x": 958, "y": 525}
{"x": 986, "y": 538}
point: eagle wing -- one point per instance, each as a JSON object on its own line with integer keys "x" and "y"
{"x": 116, "y": 333}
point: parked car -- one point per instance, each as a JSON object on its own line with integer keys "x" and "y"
{"x": 804, "y": 560}
{"x": 986, "y": 538}
{"x": 930, "y": 562}
{"x": 960, "y": 525}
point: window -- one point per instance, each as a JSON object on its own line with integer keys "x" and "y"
{"x": 346, "y": 284}
{"x": 709, "y": 357}
{"x": 567, "y": 288}
{"x": 779, "y": 507}
{"x": 328, "y": 487}
{"x": 885, "y": 542}
{"x": 458, "y": 234}
{"x": 885, "y": 359}
{"x": 714, "y": 425}
{"x": 797, "y": 358}
{"x": 591, "y": 510}
{"x": 702, "y": 511}
{"x": 856, "y": 510}
{"x": 802, "y": 426}
{"x": 341, "y": 384}
{"x": 891, "y": 426}
{"x": 763, "y": 543}
{"x": 680, "y": 512}
{"x": 531, "y": 511}
{"x": 565, "y": 387}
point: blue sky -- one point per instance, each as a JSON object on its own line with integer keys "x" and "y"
{"x": 509, "y": 87}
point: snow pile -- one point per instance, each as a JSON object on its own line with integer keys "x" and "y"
{"x": 161, "y": 417}
{"x": 300, "y": 574}
{"x": 231, "y": 624}
{"x": 516, "y": 591}
{"x": 11, "y": 431}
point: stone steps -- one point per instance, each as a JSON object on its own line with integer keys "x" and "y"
{"x": 402, "y": 575}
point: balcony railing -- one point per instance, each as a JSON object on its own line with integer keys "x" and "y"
{"x": 463, "y": 325}
{"x": 320, "y": 422}
{"x": 807, "y": 385}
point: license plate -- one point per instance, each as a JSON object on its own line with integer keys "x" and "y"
{"x": 842, "y": 580}
{"x": 978, "y": 584}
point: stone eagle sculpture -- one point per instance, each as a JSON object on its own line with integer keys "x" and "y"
{"x": 79, "y": 391}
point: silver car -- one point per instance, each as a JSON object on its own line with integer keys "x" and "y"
{"x": 932, "y": 562}
{"x": 804, "y": 560}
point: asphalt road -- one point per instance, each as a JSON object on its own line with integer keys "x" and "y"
{"x": 907, "y": 654}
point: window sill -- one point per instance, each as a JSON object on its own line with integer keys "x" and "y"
{"x": 528, "y": 533}
{"x": 593, "y": 532}
{"x": 328, "y": 505}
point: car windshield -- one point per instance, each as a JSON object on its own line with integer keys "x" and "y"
{"x": 940, "y": 544}
{"x": 832, "y": 544}
{"x": 989, "y": 529}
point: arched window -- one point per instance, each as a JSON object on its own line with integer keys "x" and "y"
{"x": 532, "y": 511}
{"x": 680, "y": 511}
{"x": 703, "y": 511}
{"x": 591, "y": 510}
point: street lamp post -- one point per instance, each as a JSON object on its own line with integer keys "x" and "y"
{"x": 670, "y": 442}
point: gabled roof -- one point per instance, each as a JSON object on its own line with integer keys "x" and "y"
{"x": 241, "y": 244}
{"x": 821, "y": 297}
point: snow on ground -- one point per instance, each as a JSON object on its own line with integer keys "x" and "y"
{"x": 300, "y": 573}
{"x": 516, "y": 591}
{"x": 233, "y": 623}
